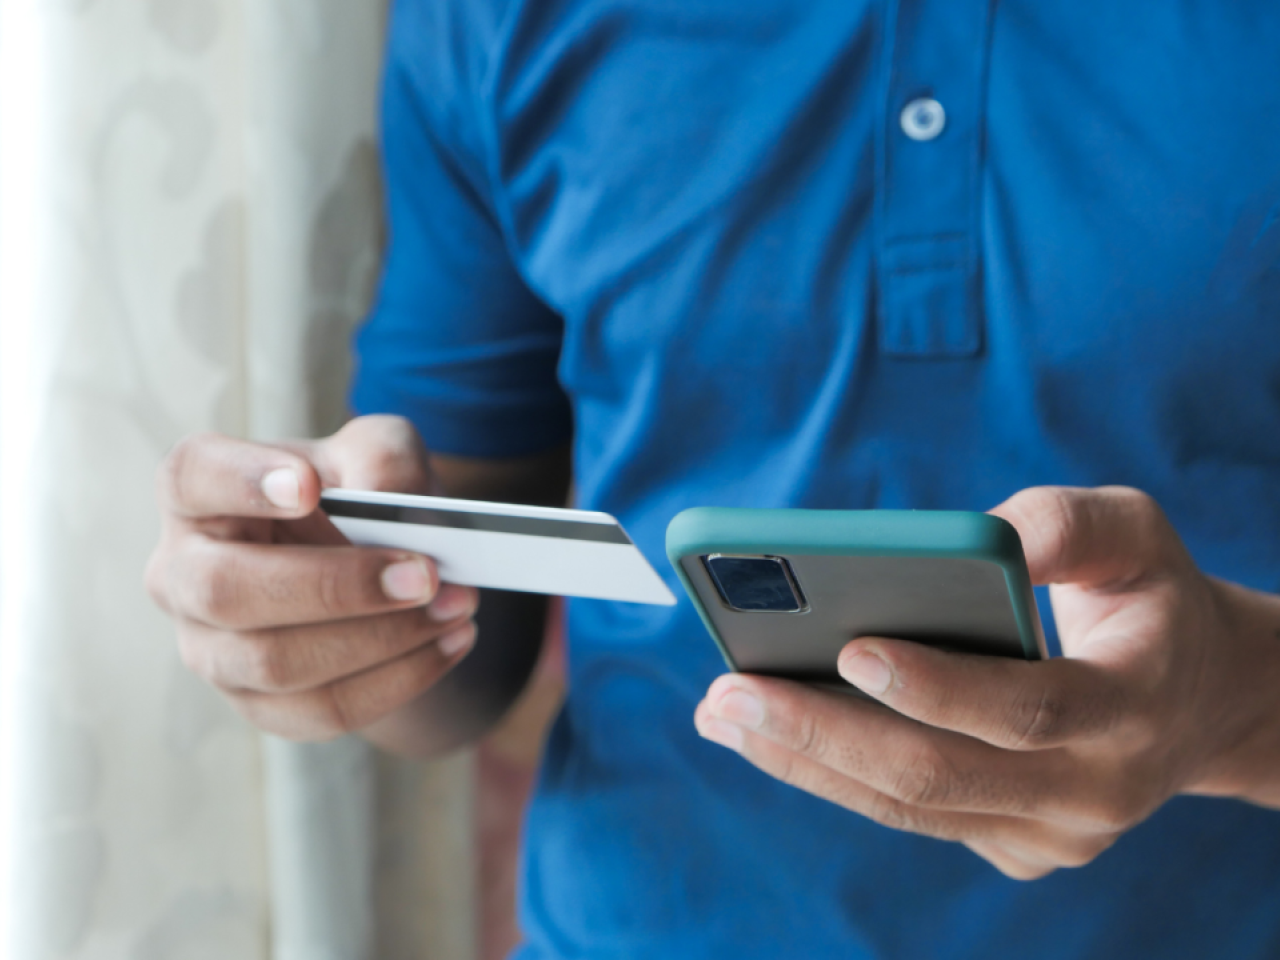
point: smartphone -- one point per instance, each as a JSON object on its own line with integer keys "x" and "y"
{"x": 782, "y": 591}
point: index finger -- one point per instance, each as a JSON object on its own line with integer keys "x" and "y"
{"x": 1101, "y": 537}
{"x": 902, "y": 759}
{"x": 1013, "y": 704}
{"x": 250, "y": 586}
{"x": 211, "y": 475}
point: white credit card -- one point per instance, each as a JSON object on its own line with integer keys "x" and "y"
{"x": 506, "y": 546}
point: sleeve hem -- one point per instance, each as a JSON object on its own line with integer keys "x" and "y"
{"x": 490, "y": 431}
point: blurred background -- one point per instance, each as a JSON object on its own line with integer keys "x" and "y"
{"x": 190, "y": 227}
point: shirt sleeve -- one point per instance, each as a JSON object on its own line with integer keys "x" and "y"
{"x": 455, "y": 342}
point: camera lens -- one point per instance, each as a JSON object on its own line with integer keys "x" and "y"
{"x": 755, "y": 584}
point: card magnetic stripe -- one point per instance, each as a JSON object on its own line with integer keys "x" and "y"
{"x": 488, "y": 522}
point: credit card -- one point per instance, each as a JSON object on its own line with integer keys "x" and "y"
{"x": 506, "y": 546}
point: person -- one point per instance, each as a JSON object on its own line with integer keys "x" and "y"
{"x": 911, "y": 254}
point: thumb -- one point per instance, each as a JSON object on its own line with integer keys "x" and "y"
{"x": 374, "y": 453}
{"x": 1104, "y": 536}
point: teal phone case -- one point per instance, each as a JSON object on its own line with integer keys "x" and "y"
{"x": 949, "y": 578}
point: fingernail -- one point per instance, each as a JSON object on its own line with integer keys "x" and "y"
{"x": 282, "y": 489}
{"x": 740, "y": 707}
{"x": 867, "y": 672}
{"x": 406, "y": 580}
{"x": 725, "y": 734}
{"x": 455, "y": 641}
{"x": 451, "y": 602}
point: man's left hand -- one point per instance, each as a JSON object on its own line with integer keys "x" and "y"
{"x": 1167, "y": 685}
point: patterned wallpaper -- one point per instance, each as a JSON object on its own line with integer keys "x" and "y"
{"x": 216, "y": 225}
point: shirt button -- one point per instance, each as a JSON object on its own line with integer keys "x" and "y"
{"x": 923, "y": 119}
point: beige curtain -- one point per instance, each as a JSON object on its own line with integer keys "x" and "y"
{"x": 210, "y": 207}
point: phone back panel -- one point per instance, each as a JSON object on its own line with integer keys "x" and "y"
{"x": 956, "y": 580}
{"x": 957, "y": 603}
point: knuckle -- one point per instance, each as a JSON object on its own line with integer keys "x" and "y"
{"x": 264, "y": 663}
{"x": 394, "y": 431}
{"x": 154, "y": 579}
{"x": 805, "y": 732}
{"x": 787, "y": 769}
{"x": 335, "y": 714}
{"x": 195, "y": 655}
{"x": 1024, "y": 872}
{"x": 1084, "y": 852}
{"x": 350, "y": 582}
{"x": 169, "y": 474}
{"x": 1142, "y": 505}
{"x": 331, "y": 590}
{"x": 806, "y": 738}
{"x": 398, "y": 470}
{"x": 1118, "y": 811}
{"x": 213, "y": 589}
{"x": 391, "y": 634}
{"x": 1054, "y": 514}
{"x": 888, "y": 812}
{"x": 925, "y": 781}
{"x": 301, "y": 720}
{"x": 1036, "y": 721}
{"x": 782, "y": 763}
{"x": 1142, "y": 727}
{"x": 996, "y": 852}
{"x": 1150, "y": 526}
{"x": 1155, "y": 528}
{"x": 175, "y": 468}
{"x": 395, "y": 458}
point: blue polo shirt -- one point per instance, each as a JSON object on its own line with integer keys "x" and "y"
{"x": 839, "y": 253}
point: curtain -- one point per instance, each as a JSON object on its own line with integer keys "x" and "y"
{"x": 206, "y": 231}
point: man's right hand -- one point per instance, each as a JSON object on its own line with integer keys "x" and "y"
{"x": 308, "y": 636}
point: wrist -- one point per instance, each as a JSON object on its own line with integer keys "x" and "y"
{"x": 1246, "y": 761}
